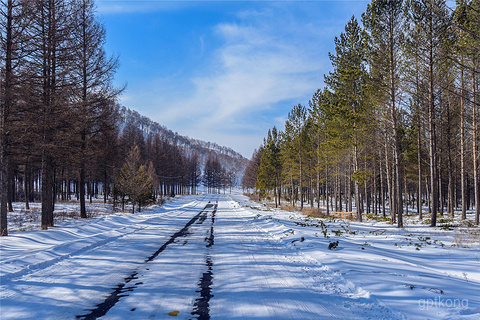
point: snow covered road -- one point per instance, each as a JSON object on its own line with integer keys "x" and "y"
{"x": 214, "y": 257}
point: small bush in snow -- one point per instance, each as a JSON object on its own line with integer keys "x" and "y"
{"x": 333, "y": 245}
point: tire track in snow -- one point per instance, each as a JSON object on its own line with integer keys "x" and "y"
{"x": 201, "y": 306}
{"x": 102, "y": 308}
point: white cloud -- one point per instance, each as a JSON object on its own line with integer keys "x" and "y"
{"x": 254, "y": 70}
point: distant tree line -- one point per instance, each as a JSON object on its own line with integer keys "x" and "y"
{"x": 232, "y": 163}
{"x": 63, "y": 135}
{"x": 396, "y": 126}
{"x": 170, "y": 169}
{"x": 217, "y": 177}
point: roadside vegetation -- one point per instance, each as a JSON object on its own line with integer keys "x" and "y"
{"x": 394, "y": 132}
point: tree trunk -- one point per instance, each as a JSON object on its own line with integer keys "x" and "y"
{"x": 4, "y": 124}
{"x": 475, "y": 147}
{"x": 301, "y": 182}
{"x": 335, "y": 190}
{"x": 462, "y": 145}
{"x": 450, "y": 201}
{"x": 440, "y": 191}
{"x": 26, "y": 184}
{"x": 83, "y": 211}
{"x": 357, "y": 187}
{"x": 393, "y": 113}
{"x": 382, "y": 188}
{"x": 326, "y": 189}
{"x": 374, "y": 193}
{"x": 388, "y": 177}
{"x": 47, "y": 191}
{"x": 432, "y": 142}
{"x": 419, "y": 163}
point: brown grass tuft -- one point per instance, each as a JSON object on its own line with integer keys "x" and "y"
{"x": 466, "y": 237}
{"x": 289, "y": 208}
{"x": 314, "y": 212}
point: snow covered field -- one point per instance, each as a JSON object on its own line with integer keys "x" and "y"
{"x": 225, "y": 257}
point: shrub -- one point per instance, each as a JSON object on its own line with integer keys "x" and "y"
{"x": 333, "y": 245}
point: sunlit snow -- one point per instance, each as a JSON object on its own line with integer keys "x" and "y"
{"x": 265, "y": 264}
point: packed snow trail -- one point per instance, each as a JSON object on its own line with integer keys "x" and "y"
{"x": 172, "y": 281}
{"x": 121, "y": 289}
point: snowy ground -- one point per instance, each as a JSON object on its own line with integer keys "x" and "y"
{"x": 224, "y": 257}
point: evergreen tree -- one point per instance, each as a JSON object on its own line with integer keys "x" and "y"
{"x": 385, "y": 21}
{"x": 430, "y": 33}
{"x": 328, "y": 129}
{"x": 294, "y": 149}
{"x": 269, "y": 170}
{"x": 143, "y": 190}
{"x": 134, "y": 181}
{"x": 349, "y": 81}
{"x": 467, "y": 22}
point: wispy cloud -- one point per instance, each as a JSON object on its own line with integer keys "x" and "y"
{"x": 137, "y": 6}
{"x": 257, "y": 67}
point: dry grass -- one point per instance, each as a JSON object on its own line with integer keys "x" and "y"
{"x": 314, "y": 212}
{"x": 252, "y": 196}
{"x": 289, "y": 208}
{"x": 466, "y": 237}
{"x": 352, "y": 216}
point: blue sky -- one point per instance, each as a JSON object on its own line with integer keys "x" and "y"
{"x": 222, "y": 71}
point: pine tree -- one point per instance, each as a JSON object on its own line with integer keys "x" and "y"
{"x": 349, "y": 81}
{"x": 385, "y": 21}
{"x": 330, "y": 145}
{"x": 431, "y": 28}
{"x": 467, "y": 22}
{"x": 143, "y": 188}
{"x": 294, "y": 149}
{"x": 269, "y": 170}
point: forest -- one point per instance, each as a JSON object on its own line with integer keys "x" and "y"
{"x": 64, "y": 136}
{"x": 395, "y": 129}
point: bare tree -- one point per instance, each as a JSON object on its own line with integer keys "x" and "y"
{"x": 93, "y": 72}
{"x": 50, "y": 66}
{"x": 13, "y": 21}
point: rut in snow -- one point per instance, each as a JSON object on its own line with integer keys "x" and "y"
{"x": 102, "y": 308}
{"x": 201, "y": 306}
